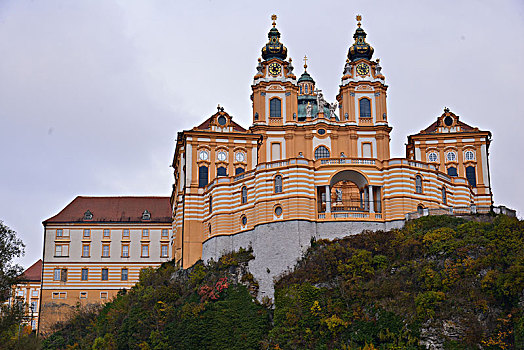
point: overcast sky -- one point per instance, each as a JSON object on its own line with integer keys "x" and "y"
{"x": 92, "y": 93}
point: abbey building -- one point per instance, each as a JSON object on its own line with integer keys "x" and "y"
{"x": 305, "y": 169}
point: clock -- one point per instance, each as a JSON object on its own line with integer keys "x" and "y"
{"x": 240, "y": 157}
{"x": 203, "y": 155}
{"x": 222, "y": 156}
{"x": 362, "y": 69}
{"x": 274, "y": 68}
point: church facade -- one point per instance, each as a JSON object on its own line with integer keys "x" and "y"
{"x": 306, "y": 161}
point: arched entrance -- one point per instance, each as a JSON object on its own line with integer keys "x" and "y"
{"x": 348, "y": 192}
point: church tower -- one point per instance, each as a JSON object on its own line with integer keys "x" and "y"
{"x": 362, "y": 100}
{"x": 274, "y": 86}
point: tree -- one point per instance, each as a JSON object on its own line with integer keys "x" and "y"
{"x": 10, "y": 247}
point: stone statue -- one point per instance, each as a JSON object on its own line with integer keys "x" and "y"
{"x": 290, "y": 67}
{"x": 347, "y": 68}
{"x": 320, "y": 102}
{"x": 332, "y": 109}
{"x": 378, "y": 68}
{"x": 338, "y": 191}
{"x": 260, "y": 68}
{"x": 308, "y": 110}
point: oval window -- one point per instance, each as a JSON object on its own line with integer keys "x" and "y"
{"x": 448, "y": 121}
{"x": 321, "y": 131}
{"x": 244, "y": 220}
{"x": 222, "y": 120}
{"x": 278, "y": 211}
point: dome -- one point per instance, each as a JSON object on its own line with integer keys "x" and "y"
{"x": 274, "y": 49}
{"x": 360, "y": 48}
{"x": 305, "y": 77}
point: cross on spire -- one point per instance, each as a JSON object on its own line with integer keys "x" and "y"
{"x": 359, "y": 18}
{"x": 305, "y": 62}
{"x": 274, "y": 18}
{"x": 220, "y": 109}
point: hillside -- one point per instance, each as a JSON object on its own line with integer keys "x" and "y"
{"x": 440, "y": 281}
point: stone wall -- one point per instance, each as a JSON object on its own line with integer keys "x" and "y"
{"x": 277, "y": 246}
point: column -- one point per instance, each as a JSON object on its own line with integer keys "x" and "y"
{"x": 371, "y": 199}
{"x": 328, "y": 199}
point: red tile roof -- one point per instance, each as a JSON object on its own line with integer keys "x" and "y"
{"x": 114, "y": 209}
{"x": 33, "y": 273}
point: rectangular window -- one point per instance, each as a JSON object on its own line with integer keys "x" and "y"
{"x": 34, "y": 306}
{"x": 61, "y": 250}
{"x": 59, "y": 233}
{"x": 125, "y": 233}
{"x": 20, "y": 293}
{"x": 367, "y": 150}
{"x": 165, "y": 233}
{"x": 124, "y": 275}
{"x": 59, "y": 295}
{"x": 105, "y": 250}
{"x": 85, "y": 250}
{"x": 103, "y": 295}
{"x": 105, "y": 274}
{"x": 87, "y": 233}
{"x": 34, "y": 293}
{"x": 275, "y": 151}
{"x": 83, "y": 295}
{"x": 145, "y": 232}
{"x": 163, "y": 250}
{"x": 145, "y": 251}
{"x": 107, "y": 233}
{"x": 56, "y": 276}
{"x": 63, "y": 275}
{"x": 84, "y": 274}
{"x": 125, "y": 251}
{"x": 33, "y": 324}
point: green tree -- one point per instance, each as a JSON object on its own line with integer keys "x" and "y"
{"x": 10, "y": 247}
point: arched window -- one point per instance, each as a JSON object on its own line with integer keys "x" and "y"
{"x": 239, "y": 171}
{"x": 420, "y": 209}
{"x": 444, "y": 197}
{"x": 278, "y": 184}
{"x": 202, "y": 176}
{"x": 221, "y": 171}
{"x": 365, "y": 108}
{"x": 301, "y": 89}
{"x": 210, "y": 204}
{"x": 321, "y": 152}
{"x": 418, "y": 184}
{"x": 452, "y": 171}
{"x": 275, "y": 110}
{"x": 244, "y": 195}
{"x": 470, "y": 175}
{"x": 306, "y": 89}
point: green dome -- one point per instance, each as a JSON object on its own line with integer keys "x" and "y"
{"x": 305, "y": 77}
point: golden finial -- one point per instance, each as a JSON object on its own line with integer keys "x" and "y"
{"x": 274, "y": 18}
{"x": 359, "y": 18}
{"x": 305, "y": 62}
{"x": 378, "y": 60}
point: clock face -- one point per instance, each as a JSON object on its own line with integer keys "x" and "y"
{"x": 274, "y": 68}
{"x": 362, "y": 69}
{"x": 222, "y": 156}
{"x": 240, "y": 157}
{"x": 203, "y": 155}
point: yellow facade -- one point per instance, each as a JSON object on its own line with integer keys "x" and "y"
{"x": 308, "y": 159}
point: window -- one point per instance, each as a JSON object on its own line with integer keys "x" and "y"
{"x": 278, "y": 210}
{"x": 87, "y": 233}
{"x": 33, "y": 324}
{"x": 276, "y": 153}
{"x": 418, "y": 184}
{"x": 301, "y": 89}
{"x": 107, "y": 233}
{"x": 105, "y": 250}
{"x": 124, "y": 275}
{"x": 306, "y": 89}
{"x": 444, "y": 198}
{"x": 202, "y": 176}
{"x": 85, "y": 251}
{"x": 59, "y": 295}
{"x": 34, "y": 306}
{"x": 275, "y": 110}
{"x": 125, "y": 250}
{"x": 88, "y": 215}
{"x": 239, "y": 171}
{"x": 145, "y": 251}
{"x": 366, "y": 150}
{"x": 278, "y": 184}
{"x": 210, "y": 204}
{"x": 452, "y": 171}
{"x": 20, "y": 293}
{"x": 145, "y": 233}
{"x": 222, "y": 120}
{"x": 221, "y": 171}
{"x": 451, "y": 156}
{"x": 84, "y": 275}
{"x": 321, "y": 131}
{"x": 365, "y": 108}
{"x": 244, "y": 195}
{"x": 83, "y": 295}
{"x": 432, "y": 156}
{"x": 63, "y": 275}
{"x": 34, "y": 293}
{"x": 105, "y": 274}
{"x": 61, "y": 250}
{"x": 56, "y": 275}
{"x": 163, "y": 251}
{"x": 243, "y": 220}
{"x": 103, "y": 295}
{"x": 146, "y": 215}
{"x": 165, "y": 233}
{"x": 59, "y": 233}
{"x": 471, "y": 176}
{"x": 420, "y": 209}
{"x": 469, "y": 155}
{"x": 321, "y": 152}
{"x": 125, "y": 233}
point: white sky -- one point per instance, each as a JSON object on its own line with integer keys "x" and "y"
{"x": 92, "y": 93}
